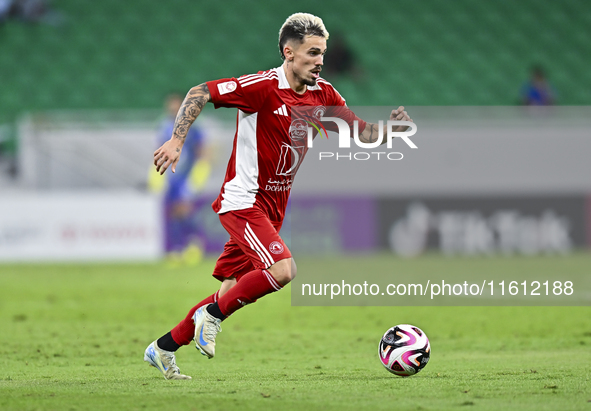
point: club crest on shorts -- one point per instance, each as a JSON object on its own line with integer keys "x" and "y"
{"x": 276, "y": 247}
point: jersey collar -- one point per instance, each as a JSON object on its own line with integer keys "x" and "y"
{"x": 283, "y": 83}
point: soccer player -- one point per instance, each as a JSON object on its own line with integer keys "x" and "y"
{"x": 253, "y": 198}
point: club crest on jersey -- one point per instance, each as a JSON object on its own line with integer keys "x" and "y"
{"x": 227, "y": 87}
{"x": 319, "y": 112}
{"x": 276, "y": 247}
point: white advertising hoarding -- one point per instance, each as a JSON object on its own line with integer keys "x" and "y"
{"x": 62, "y": 226}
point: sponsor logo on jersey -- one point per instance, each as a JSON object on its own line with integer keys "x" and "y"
{"x": 289, "y": 160}
{"x": 227, "y": 87}
{"x": 276, "y": 247}
{"x": 291, "y": 156}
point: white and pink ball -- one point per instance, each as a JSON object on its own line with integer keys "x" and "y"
{"x": 404, "y": 350}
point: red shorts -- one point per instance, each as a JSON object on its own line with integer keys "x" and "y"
{"x": 254, "y": 244}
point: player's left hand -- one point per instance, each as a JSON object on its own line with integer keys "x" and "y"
{"x": 400, "y": 115}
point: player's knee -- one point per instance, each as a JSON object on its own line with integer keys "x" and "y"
{"x": 294, "y": 269}
{"x": 226, "y": 285}
{"x": 282, "y": 271}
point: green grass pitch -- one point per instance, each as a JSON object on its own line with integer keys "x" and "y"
{"x": 72, "y": 337}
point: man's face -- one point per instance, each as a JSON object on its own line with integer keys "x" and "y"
{"x": 308, "y": 59}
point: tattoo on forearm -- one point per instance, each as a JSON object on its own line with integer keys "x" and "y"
{"x": 192, "y": 105}
{"x": 371, "y": 135}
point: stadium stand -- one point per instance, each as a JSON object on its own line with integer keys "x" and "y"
{"x": 128, "y": 54}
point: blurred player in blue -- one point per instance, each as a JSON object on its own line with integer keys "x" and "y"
{"x": 538, "y": 91}
{"x": 180, "y": 188}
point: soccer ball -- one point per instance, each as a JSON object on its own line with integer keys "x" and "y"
{"x": 404, "y": 350}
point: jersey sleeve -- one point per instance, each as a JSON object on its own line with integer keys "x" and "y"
{"x": 340, "y": 109}
{"x": 229, "y": 92}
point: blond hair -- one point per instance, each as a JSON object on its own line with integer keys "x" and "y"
{"x": 299, "y": 25}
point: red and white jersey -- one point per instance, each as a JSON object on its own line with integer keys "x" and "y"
{"x": 264, "y": 160}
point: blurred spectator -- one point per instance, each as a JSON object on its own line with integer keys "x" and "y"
{"x": 538, "y": 91}
{"x": 8, "y": 164}
{"x": 35, "y": 11}
{"x": 339, "y": 59}
{"x": 5, "y": 9}
{"x": 183, "y": 234}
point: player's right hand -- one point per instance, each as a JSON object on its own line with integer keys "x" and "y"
{"x": 167, "y": 156}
